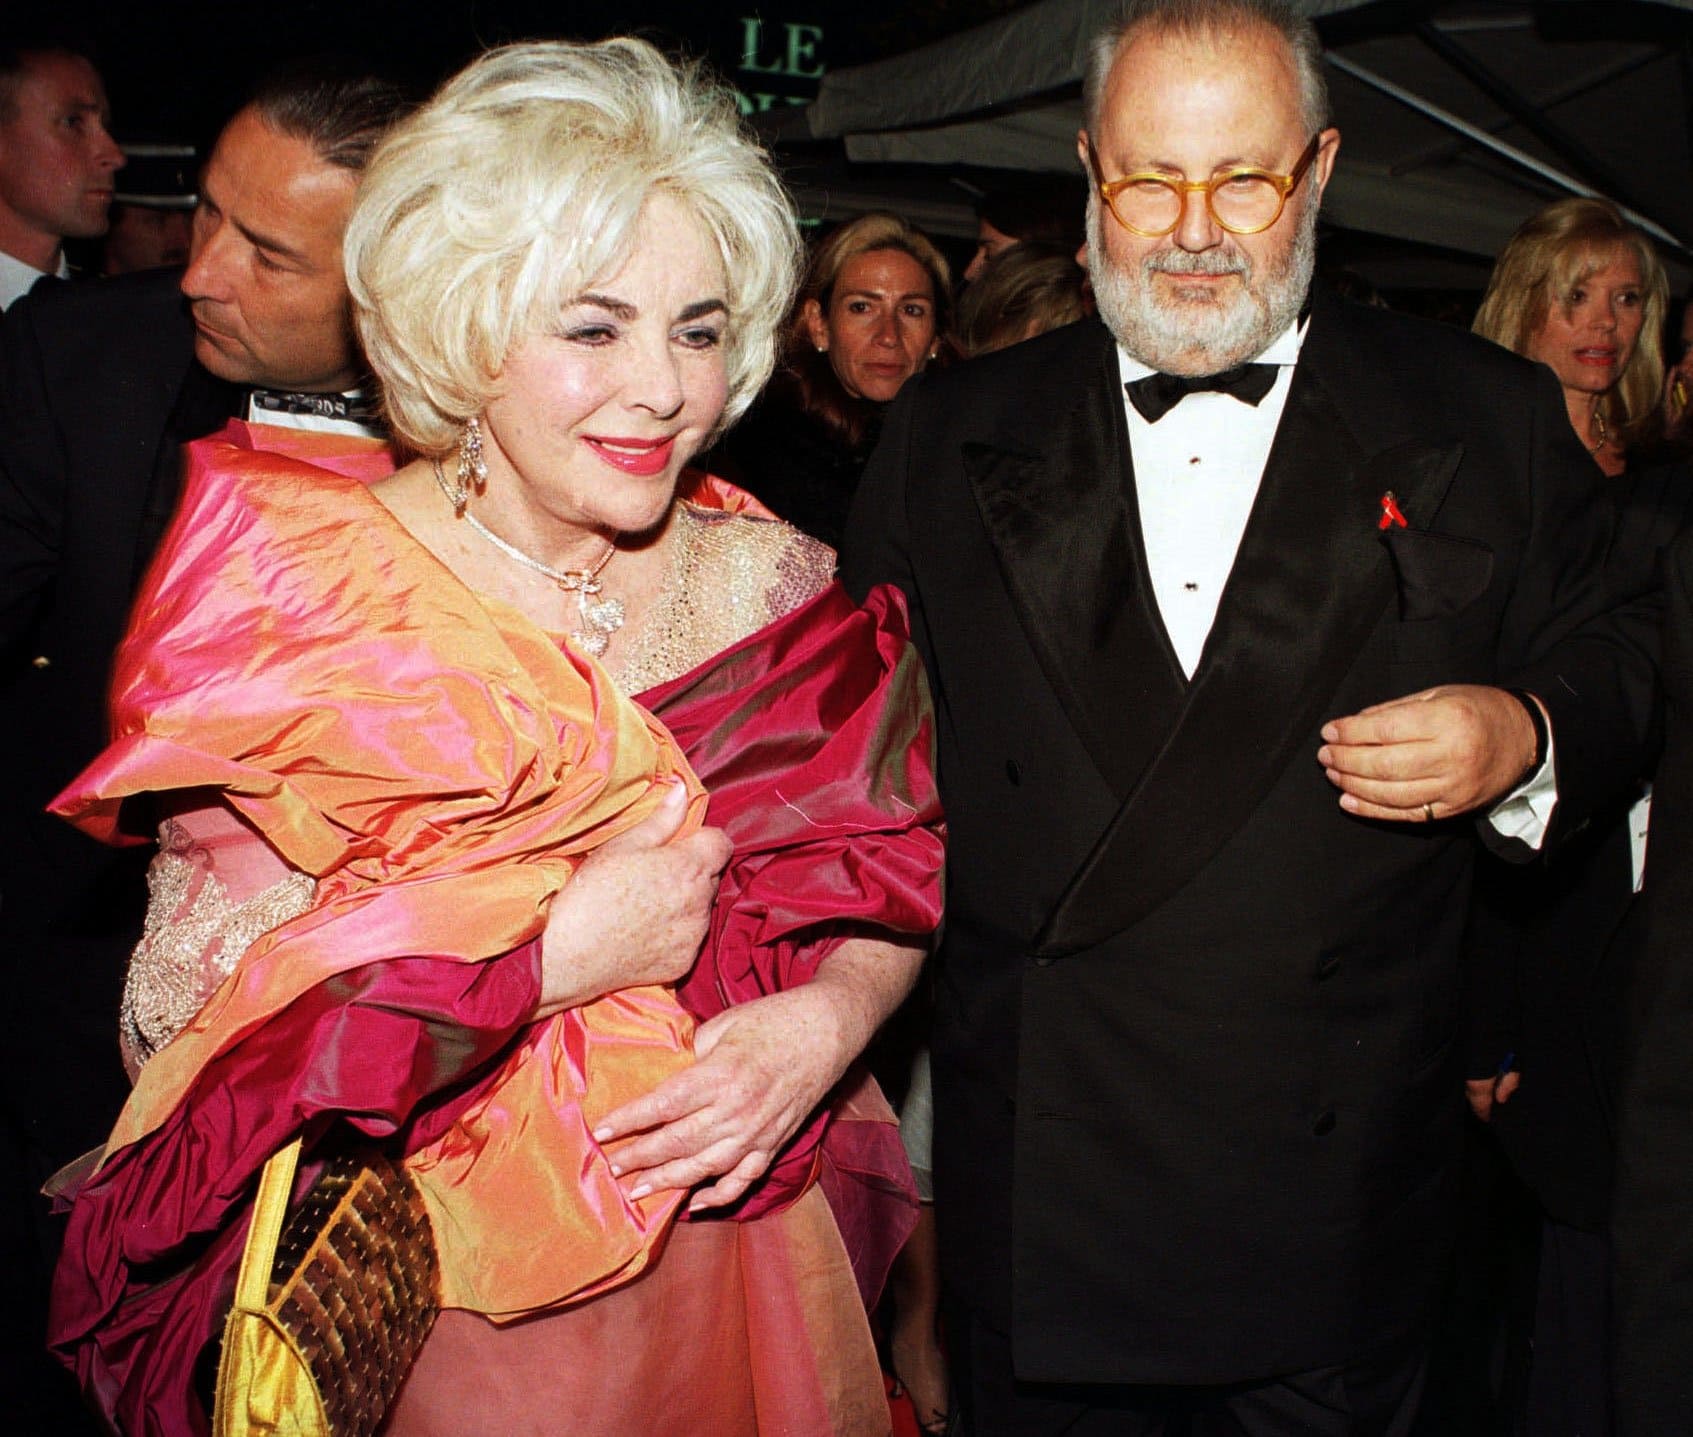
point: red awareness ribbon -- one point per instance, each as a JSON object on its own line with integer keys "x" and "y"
{"x": 1390, "y": 514}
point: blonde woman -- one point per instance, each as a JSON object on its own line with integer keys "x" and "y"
{"x": 410, "y": 709}
{"x": 874, "y": 302}
{"x": 1583, "y": 292}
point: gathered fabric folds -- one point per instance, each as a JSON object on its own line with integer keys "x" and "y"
{"x": 440, "y": 766}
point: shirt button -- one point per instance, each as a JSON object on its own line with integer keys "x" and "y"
{"x": 1013, "y": 771}
{"x": 41, "y": 661}
{"x": 1328, "y": 968}
{"x": 1324, "y": 1125}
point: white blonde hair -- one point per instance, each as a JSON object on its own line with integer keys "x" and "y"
{"x": 518, "y": 187}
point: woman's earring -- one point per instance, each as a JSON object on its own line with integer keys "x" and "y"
{"x": 472, "y": 470}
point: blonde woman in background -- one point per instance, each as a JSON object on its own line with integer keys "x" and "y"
{"x": 1583, "y": 292}
{"x": 873, "y": 305}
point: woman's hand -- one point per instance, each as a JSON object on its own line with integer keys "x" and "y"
{"x": 635, "y": 912}
{"x": 762, "y": 1069}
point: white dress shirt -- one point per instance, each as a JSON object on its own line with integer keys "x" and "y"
{"x": 1197, "y": 472}
{"x": 314, "y": 423}
{"x": 18, "y": 278}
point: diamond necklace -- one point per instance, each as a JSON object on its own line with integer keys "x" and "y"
{"x": 601, "y": 618}
{"x": 1604, "y": 431}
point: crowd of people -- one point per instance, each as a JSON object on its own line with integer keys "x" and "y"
{"x": 541, "y": 701}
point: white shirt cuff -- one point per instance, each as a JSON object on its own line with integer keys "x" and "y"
{"x": 1525, "y": 813}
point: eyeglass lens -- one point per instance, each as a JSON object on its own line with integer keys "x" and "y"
{"x": 1238, "y": 202}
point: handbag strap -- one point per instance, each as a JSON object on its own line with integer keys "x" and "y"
{"x": 270, "y": 1208}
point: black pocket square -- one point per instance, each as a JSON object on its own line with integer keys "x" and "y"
{"x": 1439, "y": 574}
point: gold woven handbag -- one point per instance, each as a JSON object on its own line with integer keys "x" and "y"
{"x": 330, "y": 1309}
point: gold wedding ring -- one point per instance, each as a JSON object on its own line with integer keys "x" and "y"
{"x": 1428, "y": 813}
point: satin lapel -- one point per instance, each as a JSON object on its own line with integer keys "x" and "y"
{"x": 1061, "y": 518}
{"x": 1310, "y": 582}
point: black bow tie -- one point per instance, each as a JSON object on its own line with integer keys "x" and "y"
{"x": 357, "y": 407}
{"x": 1156, "y": 395}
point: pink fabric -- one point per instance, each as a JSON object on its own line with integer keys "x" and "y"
{"x": 813, "y": 740}
{"x": 739, "y": 1330}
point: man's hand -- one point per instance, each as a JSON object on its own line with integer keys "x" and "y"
{"x": 1429, "y": 755}
{"x": 635, "y": 912}
{"x": 1483, "y": 1093}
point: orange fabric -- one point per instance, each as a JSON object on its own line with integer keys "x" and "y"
{"x": 440, "y": 765}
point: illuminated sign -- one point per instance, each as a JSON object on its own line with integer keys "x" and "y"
{"x": 788, "y": 51}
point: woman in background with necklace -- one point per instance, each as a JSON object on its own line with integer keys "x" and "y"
{"x": 1584, "y": 293}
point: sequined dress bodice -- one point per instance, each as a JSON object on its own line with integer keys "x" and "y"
{"x": 729, "y": 576}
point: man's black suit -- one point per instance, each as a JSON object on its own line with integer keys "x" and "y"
{"x": 1548, "y": 978}
{"x": 98, "y": 391}
{"x": 1197, "y": 1090}
{"x": 1652, "y": 1208}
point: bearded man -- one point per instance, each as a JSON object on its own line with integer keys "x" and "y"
{"x": 1247, "y": 613}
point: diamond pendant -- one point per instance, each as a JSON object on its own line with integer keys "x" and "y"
{"x": 593, "y": 645}
{"x": 601, "y": 618}
{"x": 603, "y": 615}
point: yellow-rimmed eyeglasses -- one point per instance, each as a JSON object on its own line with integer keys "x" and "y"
{"x": 1242, "y": 200}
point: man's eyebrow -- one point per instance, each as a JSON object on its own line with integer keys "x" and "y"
{"x": 259, "y": 240}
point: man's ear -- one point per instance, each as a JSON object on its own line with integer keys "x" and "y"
{"x": 1327, "y": 148}
{"x": 815, "y": 325}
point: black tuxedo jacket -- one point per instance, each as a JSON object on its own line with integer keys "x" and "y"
{"x": 1197, "y": 1090}
{"x": 1652, "y": 1217}
{"x": 1547, "y": 963}
{"x": 98, "y": 391}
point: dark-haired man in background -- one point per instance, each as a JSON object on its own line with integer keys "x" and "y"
{"x": 56, "y": 162}
{"x": 100, "y": 387}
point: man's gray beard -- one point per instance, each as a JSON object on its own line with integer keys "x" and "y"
{"x": 1202, "y": 336}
